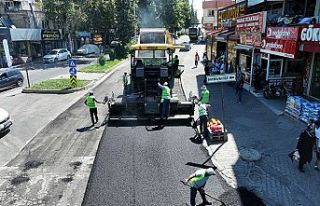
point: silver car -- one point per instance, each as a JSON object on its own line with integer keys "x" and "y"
{"x": 5, "y": 121}
{"x": 186, "y": 46}
{"x": 56, "y": 55}
{"x": 88, "y": 49}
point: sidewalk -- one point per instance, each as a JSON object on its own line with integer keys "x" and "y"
{"x": 258, "y": 124}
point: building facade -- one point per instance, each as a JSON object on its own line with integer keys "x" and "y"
{"x": 210, "y": 12}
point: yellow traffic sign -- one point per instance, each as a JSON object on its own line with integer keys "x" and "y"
{"x": 73, "y": 81}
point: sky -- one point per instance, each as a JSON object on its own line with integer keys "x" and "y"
{"x": 198, "y": 6}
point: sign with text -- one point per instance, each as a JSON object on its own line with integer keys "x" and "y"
{"x": 280, "y": 47}
{"x": 219, "y": 78}
{"x": 227, "y": 16}
{"x": 284, "y": 33}
{"x": 310, "y": 38}
{"x": 250, "y": 27}
{"x": 50, "y": 35}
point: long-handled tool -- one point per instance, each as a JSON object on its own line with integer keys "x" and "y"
{"x": 216, "y": 199}
{"x": 203, "y": 164}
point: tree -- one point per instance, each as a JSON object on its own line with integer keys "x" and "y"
{"x": 124, "y": 20}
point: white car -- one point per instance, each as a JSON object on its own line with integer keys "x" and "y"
{"x": 186, "y": 46}
{"x": 88, "y": 49}
{"x": 5, "y": 121}
{"x": 57, "y": 55}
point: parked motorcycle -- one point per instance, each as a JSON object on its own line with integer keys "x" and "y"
{"x": 274, "y": 91}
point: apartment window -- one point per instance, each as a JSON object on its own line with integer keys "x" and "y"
{"x": 300, "y": 7}
{"x": 211, "y": 13}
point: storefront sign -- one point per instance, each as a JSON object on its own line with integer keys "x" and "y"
{"x": 250, "y": 27}
{"x": 310, "y": 38}
{"x": 285, "y": 33}
{"x": 218, "y": 78}
{"x": 227, "y": 16}
{"x": 50, "y": 35}
{"x": 280, "y": 47}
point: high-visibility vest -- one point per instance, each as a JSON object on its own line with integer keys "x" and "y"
{"x": 199, "y": 180}
{"x": 91, "y": 102}
{"x": 165, "y": 92}
{"x": 205, "y": 97}
{"x": 202, "y": 110}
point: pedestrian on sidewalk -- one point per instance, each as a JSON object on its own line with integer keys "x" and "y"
{"x": 317, "y": 136}
{"x": 196, "y": 59}
{"x": 197, "y": 181}
{"x": 239, "y": 89}
{"x": 91, "y": 104}
{"x": 305, "y": 147}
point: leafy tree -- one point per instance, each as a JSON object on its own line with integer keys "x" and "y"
{"x": 124, "y": 19}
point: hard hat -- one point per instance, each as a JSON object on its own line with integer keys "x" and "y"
{"x": 165, "y": 83}
{"x": 203, "y": 87}
{"x": 210, "y": 171}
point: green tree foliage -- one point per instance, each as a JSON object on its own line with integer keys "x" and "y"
{"x": 124, "y": 19}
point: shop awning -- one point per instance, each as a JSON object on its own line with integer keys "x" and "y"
{"x": 209, "y": 33}
{"x": 25, "y": 34}
{"x": 225, "y": 35}
{"x": 243, "y": 47}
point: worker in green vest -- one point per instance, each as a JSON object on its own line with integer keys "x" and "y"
{"x": 203, "y": 115}
{"x": 91, "y": 104}
{"x": 205, "y": 95}
{"x": 197, "y": 181}
{"x": 165, "y": 100}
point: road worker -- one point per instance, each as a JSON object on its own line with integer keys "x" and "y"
{"x": 205, "y": 95}
{"x": 125, "y": 80}
{"x": 91, "y": 104}
{"x": 203, "y": 115}
{"x": 165, "y": 100}
{"x": 197, "y": 181}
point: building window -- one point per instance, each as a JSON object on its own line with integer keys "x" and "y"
{"x": 211, "y": 13}
{"x": 300, "y": 7}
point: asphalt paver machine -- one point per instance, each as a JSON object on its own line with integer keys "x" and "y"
{"x": 150, "y": 64}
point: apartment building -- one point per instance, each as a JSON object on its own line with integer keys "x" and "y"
{"x": 21, "y": 14}
{"x": 210, "y": 12}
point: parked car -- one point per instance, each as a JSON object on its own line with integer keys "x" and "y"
{"x": 186, "y": 46}
{"x": 88, "y": 49}
{"x": 10, "y": 77}
{"x": 56, "y": 55}
{"x": 5, "y": 121}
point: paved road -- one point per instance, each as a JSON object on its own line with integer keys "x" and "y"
{"x": 135, "y": 166}
{"x": 30, "y": 112}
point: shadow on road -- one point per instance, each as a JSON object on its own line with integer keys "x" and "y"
{"x": 85, "y": 129}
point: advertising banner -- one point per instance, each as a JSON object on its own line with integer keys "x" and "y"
{"x": 250, "y": 27}
{"x": 50, "y": 35}
{"x": 284, "y": 33}
{"x": 218, "y": 78}
{"x": 280, "y": 47}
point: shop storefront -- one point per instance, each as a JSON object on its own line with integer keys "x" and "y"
{"x": 26, "y": 42}
{"x": 283, "y": 64}
{"x": 310, "y": 39}
{"x": 250, "y": 29}
{"x": 51, "y": 39}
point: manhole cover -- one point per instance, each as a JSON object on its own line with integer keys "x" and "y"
{"x": 250, "y": 154}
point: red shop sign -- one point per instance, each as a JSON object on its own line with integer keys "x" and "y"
{"x": 310, "y": 38}
{"x": 280, "y": 47}
{"x": 252, "y": 23}
{"x": 284, "y": 33}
